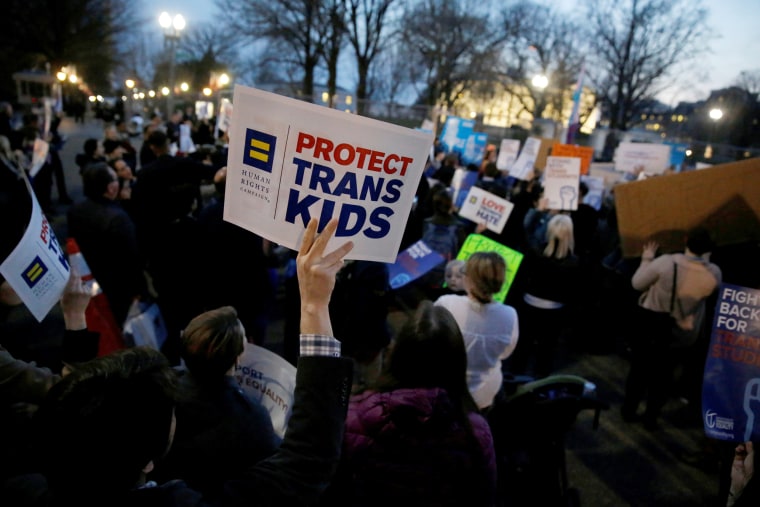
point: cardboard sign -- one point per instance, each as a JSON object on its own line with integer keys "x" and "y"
{"x": 724, "y": 199}
{"x": 544, "y": 150}
{"x": 731, "y": 387}
{"x": 526, "y": 161}
{"x": 585, "y": 153}
{"x": 481, "y": 206}
{"x": 513, "y": 258}
{"x": 508, "y": 151}
{"x": 561, "y": 178}
{"x": 290, "y": 161}
{"x": 654, "y": 158}
{"x": 37, "y": 268}
{"x": 269, "y": 380}
{"x": 412, "y": 263}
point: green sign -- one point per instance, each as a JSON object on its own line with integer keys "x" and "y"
{"x": 513, "y": 258}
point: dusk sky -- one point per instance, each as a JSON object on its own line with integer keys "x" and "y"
{"x": 735, "y": 47}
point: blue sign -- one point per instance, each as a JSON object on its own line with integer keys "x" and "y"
{"x": 475, "y": 148}
{"x": 259, "y": 150}
{"x": 731, "y": 387}
{"x": 412, "y": 263}
{"x": 455, "y": 133}
{"x": 677, "y": 155}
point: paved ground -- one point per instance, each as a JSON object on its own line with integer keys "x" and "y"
{"x": 618, "y": 464}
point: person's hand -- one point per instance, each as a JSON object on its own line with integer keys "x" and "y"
{"x": 316, "y": 276}
{"x": 74, "y": 301}
{"x": 480, "y": 228}
{"x": 649, "y": 250}
{"x": 543, "y": 204}
{"x": 742, "y": 469}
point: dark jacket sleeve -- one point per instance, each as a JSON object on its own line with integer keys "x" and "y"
{"x": 21, "y": 381}
{"x": 306, "y": 461}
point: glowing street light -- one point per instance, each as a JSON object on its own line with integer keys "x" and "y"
{"x": 716, "y": 114}
{"x": 61, "y": 75}
{"x": 130, "y": 83}
{"x": 224, "y": 80}
{"x": 207, "y": 91}
{"x": 165, "y": 91}
{"x": 172, "y": 27}
{"x": 540, "y": 81}
{"x": 184, "y": 87}
{"x": 151, "y": 93}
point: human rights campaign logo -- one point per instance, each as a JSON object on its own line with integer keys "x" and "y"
{"x": 34, "y": 272}
{"x": 259, "y": 150}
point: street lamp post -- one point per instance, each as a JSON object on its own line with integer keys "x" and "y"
{"x": 715, "y": 115}
{"x": 172, "y": 27}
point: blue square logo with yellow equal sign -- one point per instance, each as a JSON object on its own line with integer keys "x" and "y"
{"x": 34, "y": 272}
{"x": 259, "y": 150}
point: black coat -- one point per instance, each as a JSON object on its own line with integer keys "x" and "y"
{"x": 295, "y": 475}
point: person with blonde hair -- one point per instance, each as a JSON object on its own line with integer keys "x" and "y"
{"x": 490, "y": 329}
{"x": 551, "y": 276}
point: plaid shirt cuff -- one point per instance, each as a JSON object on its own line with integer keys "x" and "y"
{"x": 319, "y": 345}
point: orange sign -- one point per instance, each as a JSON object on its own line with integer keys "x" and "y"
{"x": 585, "y": 153}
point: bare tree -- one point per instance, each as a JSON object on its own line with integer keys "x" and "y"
{"x": 541, "y": 42}
{"x": 366, "y": 24}
{"x": 206, "y": 48}
{"x": 453, "y": 43}
{"x": 295, "y": 26}
{"x": 334, "y": 40}
{"x": 635, "y": 45}
{"x": 749, "y": 80}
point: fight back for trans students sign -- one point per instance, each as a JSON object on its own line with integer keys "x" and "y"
{"x": 731, "y": 387}
{"x": 513, "y": 258}
{"x": 290, "y": 161}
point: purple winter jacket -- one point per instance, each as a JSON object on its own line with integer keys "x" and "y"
{"x": 410, "y": 447}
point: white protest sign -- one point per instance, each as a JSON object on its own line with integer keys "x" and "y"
{"x": 508, "y": 151}
{"x": 39, "y": 156}
{"x": 561, "y": 178}
{"x": 481, "y": 206}
{"x": 225, "y": 115}
{"x": 186, "y": 144}
{"x": 37, "y": 268}
{"x": 204, "y": 109}
{"x": 525, "y": 162}
{"x": 290, "y": 161}
{"x": 269, "y": 380}
{"x": 654, "y": 158}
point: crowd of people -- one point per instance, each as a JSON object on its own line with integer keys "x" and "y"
{"x": 406, "y": 418}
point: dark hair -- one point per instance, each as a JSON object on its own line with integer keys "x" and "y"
{"x": 442, "y": 201}
{"x": 110, "y": 417}
{"x": 486, "y": 271}
{"x": 429, "y": 352}
{"x": 698, "y": 240}
{"x": 90, "y": 146}
{"x": 158, "y": 139}
{"x": 212, "y": 342}
{"x": 110, "y": 145}
{"x": 95, "y": 180}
